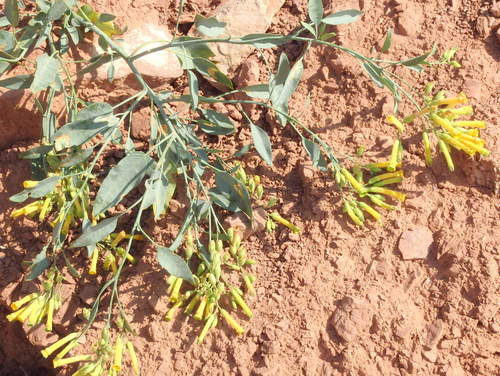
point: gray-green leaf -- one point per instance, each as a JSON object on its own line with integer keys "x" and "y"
{"x": 315, "y": 8}
{"x": 262, "y": 143}
{"x": 281, "y": 97}
{"x": 343, "y": 17}
{"x": 174, "y": 264}
{"x": 39, "y": 264}
{"x": 122, "y": 178}
{"x": 12, "y": 12}
{"x": 94, "y": 234}
{"x": 46, "y": 72}
{"x": 209, "y": 26}
{"x": 22, "y": 81}
{"x": 387, "y": 41}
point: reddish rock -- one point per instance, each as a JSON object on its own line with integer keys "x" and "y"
{"x": 352, "y": 319}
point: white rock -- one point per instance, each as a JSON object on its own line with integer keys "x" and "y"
{"x": 160, "y": 67}
{"x": 242, "y": 17}
{"x": 415, "y": 244}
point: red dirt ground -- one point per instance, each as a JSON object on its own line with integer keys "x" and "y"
{"x": 338, "y": 300}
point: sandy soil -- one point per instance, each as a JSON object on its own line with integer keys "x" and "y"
{"x": 338, "y": 300}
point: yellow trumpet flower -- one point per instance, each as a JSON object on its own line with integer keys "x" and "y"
{"x": 469, "y": 124}
{"x": 393, "y": 160}
{"x": 394, "y": 121}
{"x": 460, "y": 99}
{"x": 367, "y": 208}
{"x": 74, "y": 359}
{"x": 278, "y": 218}
{"x": 388, "y": 175}
{"x": 446, "y": 152}
{"x": 56, "y": 345}
{"x": 20, "y": 302}
{"x": 28, "y": 184}
{"x": 388, "y": 192}
{"x": 133, "y": 358}
{"x": 354, "y": 183}
{"x": 239, "y": 300}
{"x": 232, "y": 322}
{"x": 117, "y": 360}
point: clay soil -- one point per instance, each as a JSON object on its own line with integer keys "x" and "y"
{"x": 337, "y": 300}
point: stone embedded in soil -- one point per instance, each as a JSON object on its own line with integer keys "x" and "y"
{"x": 242, "y": 224}
{"x": 38, "y": 336}
{"x": 88, "y": 293}
{"x": 415, "y": 244}
{"x": 158, "y": 67}
{"x": 352, "y": 319}
{"x": 242, "y": 17}
{"x": 430, "y": 355}
{"x": 434, "y": 332}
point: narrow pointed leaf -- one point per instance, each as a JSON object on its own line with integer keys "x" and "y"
{"x": 315, "y": 9}
{"x": 343, "y": 17}
{"x": 262, "y": 143}
{"x": 94, "y": 234}
{"x": 174, "y": 264}
{"x": 209, "y": 26}
{"x": 46, "y": 72}
{"x": 12, "y": 12}
{"x": 122, "y": 178}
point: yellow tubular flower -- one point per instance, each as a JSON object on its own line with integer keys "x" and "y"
{"x": 119, "y": 237}
{"x": 427, "y": 148}
{"x": 470, "y": 124}
{"x": 475, "y": 147}
{"x": 394, "y": 121}
{"x": 446, "y": 152}
{"x": 239, "y": 300}
{"x": 133, "y": 358}
{"x": 38, "y": 312}
{"x": 45, "y": 208}
{"x": 29, "y": 209}
{"x": 201, "y": 309}
{"x": 453, "y": 113}
{"x": 388, "y": 192}
{"x": 456, "y": 143}
{"x": 394, "y": 156}
{"x": 444, "y": 123}
{"x": 384, "y": 182}
{"x": 19, "y": 303}
{"x": 388, "y": 175}
{"x": 461, "y": 99}
{"x": 206, "y": 328}
{"x": 350, "y": 212}
{"x": 377, "y": 201}
{"x": 175, "y": 290}
{"x": 93, "y": 261}
{"x": 50, "y": 314}
{"x": 189, "y": 308}
{"x": 209, "y": 308}
{"x": 354, "y": 183}
{"x": 466, "y": 137}
{"x": 232, "y": 322}
{"x": 28, "y": 184}
{"x": 278, "y": 218}
{"x": 50, "y": 349}
{"x": 66, "y": 349}
{"x": 34, "y": 305}
{"x": 170, "y": 313}
{"x": 117, "y": 360}
{"x": 367, "y": 208}
{"x": 74, "y": 359}
{"x": 67, "y": 223}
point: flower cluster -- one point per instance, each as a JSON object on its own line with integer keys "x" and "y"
{"x": 106, "y": 360}
{"x": 37, "y": 307}
{"x": 444, "y": 123}
{"x": 211, "y": 284}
